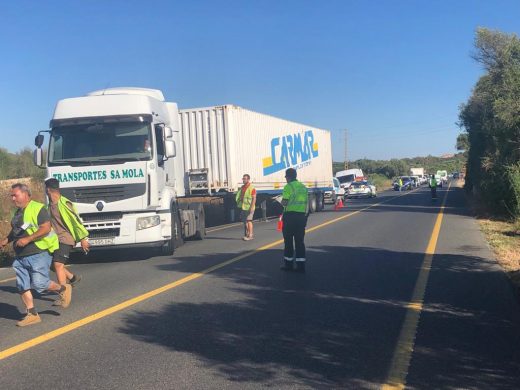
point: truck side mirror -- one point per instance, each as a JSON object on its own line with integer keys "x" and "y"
{"x": 38, "y": 156}
{"x": 168, "y": 133}
{"x": 38, "y": 140}
{"x": 169, "y": 148}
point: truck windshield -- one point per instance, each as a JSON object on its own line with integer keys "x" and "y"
{"x": 346, "y": 179}
{"x": 102, "y": 142}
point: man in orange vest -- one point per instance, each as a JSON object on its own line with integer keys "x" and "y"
{"x": 246, "y": 199}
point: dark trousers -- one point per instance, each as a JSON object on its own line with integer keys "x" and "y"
{"x": 294, "y": 233}
{"x": 434, "y": 192}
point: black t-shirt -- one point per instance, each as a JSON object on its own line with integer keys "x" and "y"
{"x": 18, "y": 232}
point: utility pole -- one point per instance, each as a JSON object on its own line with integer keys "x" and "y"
{"x": 345, "y": 134}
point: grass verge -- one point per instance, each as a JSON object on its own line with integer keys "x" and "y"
{"x": 504, "y": 238}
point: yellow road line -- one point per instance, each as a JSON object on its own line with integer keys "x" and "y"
{"x": 403, "y": 352}
{"x": 133, "y": 301}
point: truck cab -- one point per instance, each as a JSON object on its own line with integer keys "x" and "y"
{"x": 116, "y": 157}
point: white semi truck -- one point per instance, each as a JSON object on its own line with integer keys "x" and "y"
{"x": 139, "y": 169}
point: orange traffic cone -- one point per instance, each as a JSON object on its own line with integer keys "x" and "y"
{"x": 280, "y": 224}
{"x": 339, "y": 204}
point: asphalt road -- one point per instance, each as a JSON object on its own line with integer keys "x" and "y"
{"x": 220, "y": 313}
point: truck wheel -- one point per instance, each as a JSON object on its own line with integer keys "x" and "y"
{"x": 175, "y": 240}
{"x": 321, "y": 202}
{"x": 312, "y": 203}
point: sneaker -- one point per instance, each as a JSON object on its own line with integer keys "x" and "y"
{"x": 248, "y": 238}
{"x": 66, "y": 296}
{"x": 29, "y": 319}
{"x": 76, "y": 280}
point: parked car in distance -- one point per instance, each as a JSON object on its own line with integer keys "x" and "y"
{"x": 337, "y": 192}
{"x": 349, "y": 176}
{"x": 408, "y": 183}
{"x": 416, "y": 180}
{"x": 361, "y": 189}
{"x": 443, "y": 174}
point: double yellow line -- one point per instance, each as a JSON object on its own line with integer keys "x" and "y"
{"x": 143, "y": 297}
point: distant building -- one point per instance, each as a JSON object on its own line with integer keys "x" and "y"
{"x": 447, "y": 155}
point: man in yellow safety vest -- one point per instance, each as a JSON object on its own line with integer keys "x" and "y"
{"x": 295, "y": 202}
{"x": 246, "y": 200}
{"x": 34, "y": 241}
{"x": 70, "y": 230}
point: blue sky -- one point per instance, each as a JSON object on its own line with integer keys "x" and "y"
{"x": 392, "y": 72}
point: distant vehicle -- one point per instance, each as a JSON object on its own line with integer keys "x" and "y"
{"x": 456, "y": 175}
{"x": 336, "y": 192}
{"x": 348, "y": 176}
{"x": 417, "y": 172}
{"x": 416, "y": 180}
{"x": 408, "y": 183}
{"x": 443, "y": 175}
{"x": 362, "y": 189}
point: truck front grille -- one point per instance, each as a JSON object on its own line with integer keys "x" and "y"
{"x": 101, "y": 217}
{"x": 103, "y": 233}
{"x": 106, "y": 194}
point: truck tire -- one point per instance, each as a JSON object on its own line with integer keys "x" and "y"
{"x": 320, "y": 201}
{"x": 312, "y": 203}
{"x": 176, "y": 239}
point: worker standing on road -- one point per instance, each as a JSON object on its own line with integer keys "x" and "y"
{"x": 246, "y": 200}
{"x": 295, "y": 202}
{"x": 433, "y": 187}
{"x": 67, "y": 225}
{"x": 400, "y": 181}
{"x": 34, "y": 242}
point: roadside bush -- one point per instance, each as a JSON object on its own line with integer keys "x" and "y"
{"x": 513, "y": 180}
{"x": 380, "y": 181}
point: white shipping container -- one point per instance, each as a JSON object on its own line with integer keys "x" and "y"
{"x": 230, "y": 141}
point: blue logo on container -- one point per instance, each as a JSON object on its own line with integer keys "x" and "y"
{"x": 293, "y": 150}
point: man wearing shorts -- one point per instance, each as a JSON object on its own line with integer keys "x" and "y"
{"x": 67, "y": 225}
{"x": 34, "y": 241}
{"x": 246, "y": 199}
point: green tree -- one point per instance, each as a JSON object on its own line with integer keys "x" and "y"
{"x": 491, "y": 118}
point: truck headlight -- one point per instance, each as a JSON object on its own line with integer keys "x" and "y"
{"x": 147, "y": 222}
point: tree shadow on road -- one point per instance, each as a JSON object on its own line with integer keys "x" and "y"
{"x": 337, "y": 325}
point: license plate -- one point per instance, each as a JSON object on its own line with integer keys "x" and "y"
{"x": 101, "y": 241}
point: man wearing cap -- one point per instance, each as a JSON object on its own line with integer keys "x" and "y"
{"x": 295, "y": 202}
{"x": 67, "y": 224}
{"x": 34, "y": 241}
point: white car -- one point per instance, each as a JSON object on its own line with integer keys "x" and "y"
{"x": 337, "y": 192}
{"x": 416, "y": 180}
{"x": 361, "y": 189}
